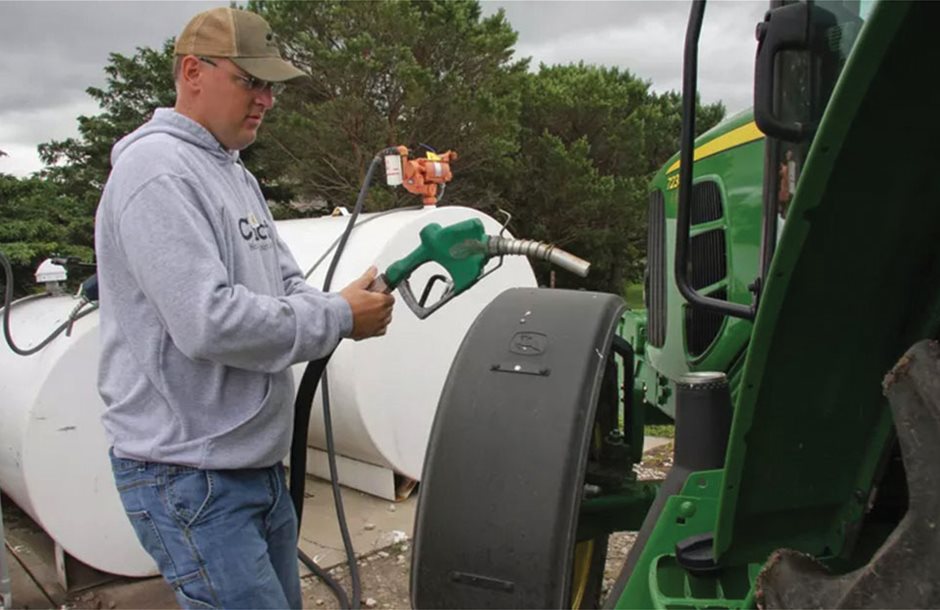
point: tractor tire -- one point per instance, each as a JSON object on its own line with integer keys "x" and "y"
{"x": 587, "y": 575}
{"x": 903, "y": 571}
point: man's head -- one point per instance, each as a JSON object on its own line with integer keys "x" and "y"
{"x": 227, "y": 71}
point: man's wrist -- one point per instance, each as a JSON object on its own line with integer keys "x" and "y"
{"x": 344, "y": 311}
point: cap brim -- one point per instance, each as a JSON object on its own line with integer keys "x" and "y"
{"x": 271, "y": 69}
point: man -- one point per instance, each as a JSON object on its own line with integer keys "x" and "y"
{"x": 203, "y": 310}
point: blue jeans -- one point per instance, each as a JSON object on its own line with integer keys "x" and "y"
{"x": 221, "y": 538}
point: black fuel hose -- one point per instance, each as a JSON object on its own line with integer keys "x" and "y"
{"x": 298, "y": 467}
{"x": 76, "y": 314}
{"x": 314, "y": 374}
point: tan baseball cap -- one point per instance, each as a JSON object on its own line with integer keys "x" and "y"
{"x": 241, "y": 36}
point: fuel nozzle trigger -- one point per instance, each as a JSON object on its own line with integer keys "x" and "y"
{"x": 459, "y": 248}
{"x": 417, "y": 307}
{"x": 463, "y": 249}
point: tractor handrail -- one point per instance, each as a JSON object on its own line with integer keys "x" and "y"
{"x": 687, "y": 146}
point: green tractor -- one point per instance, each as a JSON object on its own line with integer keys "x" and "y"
{"x": 792, "y": 310}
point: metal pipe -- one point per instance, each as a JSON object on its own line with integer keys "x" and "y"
{"x": 499, "y": 246}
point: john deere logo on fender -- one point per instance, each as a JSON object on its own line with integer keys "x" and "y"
{"x": 528, "y": 344}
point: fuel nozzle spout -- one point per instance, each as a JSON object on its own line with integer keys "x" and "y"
{"x": 500, "y": 246}
{"x": 463, "y": 250}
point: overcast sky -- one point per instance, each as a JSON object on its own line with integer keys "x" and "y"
{"x": 53, "y": 51}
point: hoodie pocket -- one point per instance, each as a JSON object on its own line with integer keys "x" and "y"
{"x": 251, "y": 442}
{"x": 270, "y": 383}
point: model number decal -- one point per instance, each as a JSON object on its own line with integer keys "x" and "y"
{"x": 672, "y": 182}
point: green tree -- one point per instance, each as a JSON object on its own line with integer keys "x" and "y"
{"x": 135, "y": 87}
{"x": 37, "y": 221}
{"x": 390, "y": 73}
{"x": 591, "y": 138}
{"x": 569, "y": 150}
{"x": 53, "y": 213}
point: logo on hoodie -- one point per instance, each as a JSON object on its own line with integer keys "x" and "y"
{"x": 257, "y": 234}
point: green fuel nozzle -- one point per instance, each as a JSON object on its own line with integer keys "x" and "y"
{"x": 463, "y": 250}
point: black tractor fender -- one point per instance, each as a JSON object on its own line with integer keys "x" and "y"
{"x": 504, "y": 472}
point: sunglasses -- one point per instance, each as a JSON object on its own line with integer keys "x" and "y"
{"x": 250, "y": 83}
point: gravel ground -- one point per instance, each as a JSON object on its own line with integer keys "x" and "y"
{"x": 384, "y": 578}
{"x": 655, "y": 466}
{"x": 385, "y": 574}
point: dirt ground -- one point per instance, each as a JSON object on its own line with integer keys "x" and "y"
{"x": 384, "y": 575}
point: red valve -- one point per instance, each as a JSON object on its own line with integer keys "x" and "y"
{"x": 421, "y": 176}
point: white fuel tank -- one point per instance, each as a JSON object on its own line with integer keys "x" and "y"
{"x": 53, "y": 452}
{"x": 384, "y": 391}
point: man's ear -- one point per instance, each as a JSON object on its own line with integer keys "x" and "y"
{"x": 191, "y": 73}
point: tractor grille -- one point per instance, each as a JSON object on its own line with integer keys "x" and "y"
{"x": 707, "y": 258}
{"x": 702, "y": 326}
{"x": 706, "y": 202}
{"x": 656, "y": 269}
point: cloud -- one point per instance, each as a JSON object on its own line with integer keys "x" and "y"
{"x": 646, "y": 38}
{"x": 20, "y": 160}
{"x": 53, "y": 51}
{"x": 22, "y": 130}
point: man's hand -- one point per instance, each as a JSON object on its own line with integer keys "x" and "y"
{"x": 372, "y": 311}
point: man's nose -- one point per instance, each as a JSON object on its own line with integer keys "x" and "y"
{"x": 265, "y": 98}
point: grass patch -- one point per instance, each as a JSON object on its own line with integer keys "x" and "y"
{"x": 633, "y": 295}
{"x": 665, "y": 431}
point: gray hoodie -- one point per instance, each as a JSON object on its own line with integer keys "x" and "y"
{"x": 203, "y": 309}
